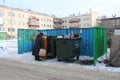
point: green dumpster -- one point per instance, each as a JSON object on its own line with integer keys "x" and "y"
{"x": 53, "y": 46}
{"x": 67, "y": 48}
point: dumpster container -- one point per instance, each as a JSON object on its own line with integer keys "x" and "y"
{"x": 45, "y": 42}
{"x": 53, "y": 46}
{"x": 67, "y": 48}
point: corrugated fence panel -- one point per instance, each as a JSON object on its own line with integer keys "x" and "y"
{"x": 30, "y": 39}
{"x": 25, "y": 40}
{"x": 48, "y": 32}
{"x": 20, "y": 41}
{"x": 86, "y": 45}
{"x": 58, "y": 32}
{"x": 100, "y": 43}
{"x": 54, "y": 32}
{"x": 44, "y": 32}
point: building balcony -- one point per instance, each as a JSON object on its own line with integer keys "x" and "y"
{"x": 75, "y": 20}
{"x": 33, "y": 22}
{"x": 57, "y": 20}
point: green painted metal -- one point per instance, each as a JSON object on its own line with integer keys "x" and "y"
{"x": 67, "y": 48}
{"x": 100, "y": 43}
{"x": 3, "y": 35}
{"x": 53, "y": 46}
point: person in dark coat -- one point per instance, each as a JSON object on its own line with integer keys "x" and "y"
{"x": 37, "y": 45}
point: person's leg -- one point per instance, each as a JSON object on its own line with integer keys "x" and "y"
{"x": 37, "y": 58}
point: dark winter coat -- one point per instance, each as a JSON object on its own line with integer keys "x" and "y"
{"x": 37, "y": 45}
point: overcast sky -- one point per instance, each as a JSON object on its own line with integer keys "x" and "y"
{"x": 63, "y": 8}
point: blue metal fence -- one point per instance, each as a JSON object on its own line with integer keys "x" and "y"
{"x": 25, "y": 39}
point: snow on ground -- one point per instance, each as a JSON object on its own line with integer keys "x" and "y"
{"x": 9, "y": 50}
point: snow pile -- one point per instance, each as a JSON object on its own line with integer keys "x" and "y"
{"x": 106, "y": 56}
{"x": 86, "y": 58}
{"x": 3, "y": 51}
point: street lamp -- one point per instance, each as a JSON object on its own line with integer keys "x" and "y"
{"x": 114, "y": 20}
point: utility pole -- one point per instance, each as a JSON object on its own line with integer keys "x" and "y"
{"x": 3, "y": 2}
{"x": 90, "y": 17}
{"x": 11, "y": 14}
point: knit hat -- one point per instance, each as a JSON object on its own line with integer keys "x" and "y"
{"x": 41, "y": 33}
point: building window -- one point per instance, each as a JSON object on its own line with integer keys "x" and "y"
{"x": 88, "y": 24}
{"x": 113, "y": 21}
{"x": 44, "y": 25}
{"x": 79, "y": 25}
{"x": 84, "y": 19}
{"x": 88, "y": 19}
{"x": 11, "y": 14}
{"x": 41, "y": 25}
{"x": 19, "y": 23}
{"x": 8, "y": 22}
{"x": 13, "y": 22}
{"x": 118, "y": 20}
{"x": 1, "y": 13}
{"x": 22, "y": 16}
{"x": 44, "y": 19}
{"x": 50, "y": 20}
{"x": 79, "y": 19}
{"x": 11, "y": 29}
{"x": 19, "y": 15}
{"x": 23, "y": 23}
{"x": 84, "y": 25}
{"x": 2, "y": 28}
{"x": 65, "y": 21}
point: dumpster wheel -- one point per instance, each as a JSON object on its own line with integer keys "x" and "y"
{"x": 59, "y": 59}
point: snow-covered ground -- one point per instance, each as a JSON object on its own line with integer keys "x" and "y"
{"x": 9, "y": 50}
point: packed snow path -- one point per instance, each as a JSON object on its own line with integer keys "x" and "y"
{"x": 15, "y": 70}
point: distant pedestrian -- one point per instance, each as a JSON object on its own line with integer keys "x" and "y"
{"x": 38, "y": 44}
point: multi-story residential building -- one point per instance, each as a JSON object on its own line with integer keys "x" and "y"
{"x": 12, "y": 19}
{"x": 109, "y": 22}
{"x": 80, "y": 21}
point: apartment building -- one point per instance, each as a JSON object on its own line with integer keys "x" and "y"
{"x": 12, "y": 19}
{"x": 109, "y": 22}
{"x": 80, "y": 21}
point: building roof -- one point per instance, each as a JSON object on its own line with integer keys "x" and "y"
{"x": 76, "y": 16}
{"x": 28, "y": 10}
{"x": 110, "y": 18}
